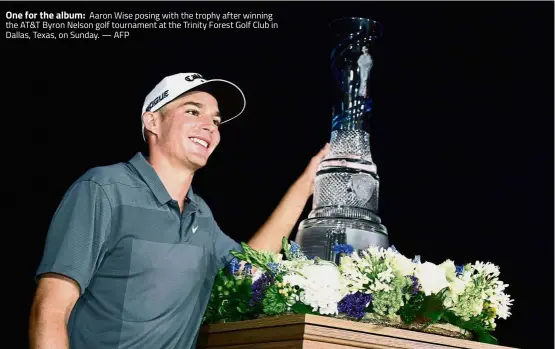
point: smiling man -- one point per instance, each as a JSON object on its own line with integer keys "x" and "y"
{"x": 132, "y": 252}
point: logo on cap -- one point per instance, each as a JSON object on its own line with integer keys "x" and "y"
{"x": 157, "y": 100}
{"x": 193, "y": 77}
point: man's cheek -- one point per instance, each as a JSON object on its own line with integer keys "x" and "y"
{"x": 216, "y": 139}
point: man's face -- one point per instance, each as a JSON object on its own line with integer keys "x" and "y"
{"x": 189, "y": 129}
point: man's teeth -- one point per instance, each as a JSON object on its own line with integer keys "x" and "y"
{"x": 199, "y": 141}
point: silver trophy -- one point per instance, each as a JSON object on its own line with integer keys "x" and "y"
{"x": 346, "y": 188}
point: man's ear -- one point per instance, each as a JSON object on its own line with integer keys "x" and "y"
{"x": 151, "y": 122}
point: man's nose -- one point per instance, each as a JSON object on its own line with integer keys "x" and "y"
{"x": 208, "y": 125}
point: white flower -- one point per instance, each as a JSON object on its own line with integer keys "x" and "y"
{"x": 380, "y": 286}
{"x": 352, "y": 276}
{"x": 450, "y": 269}
{"x": 431, "y": 277}
{"x": 401, "y": 263}
{"x": 466, "y": 276}
{"x": 257, "y": 274}
{"x": 386, "y": 275}
{"x": 348, "y": 267}
{"x": 375, "y": 251}
{"x": 477, "y": 308}
{"x": 295, "y": 279}
{"x": 456, "y": 284}
{"x": 488, "y": 269}
{"x": 325, "y": 273}
{"x": 501, "y": 303}
{"x": 322, "y": 286}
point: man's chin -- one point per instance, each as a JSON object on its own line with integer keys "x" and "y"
{"x": 198, "y": 162}
{"x": 197, "y": 159}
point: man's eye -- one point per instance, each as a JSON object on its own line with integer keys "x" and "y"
{"x": 193, "y": 112}
{"x": 217, "y": 122}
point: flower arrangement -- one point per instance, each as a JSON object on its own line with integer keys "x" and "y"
{"x": 374, "y": 283}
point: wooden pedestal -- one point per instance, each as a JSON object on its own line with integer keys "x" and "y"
{"x": 311, "y": 331}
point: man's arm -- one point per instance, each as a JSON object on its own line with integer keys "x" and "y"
{"x": 54, "y": 299}
{"x": 74, "y": 248}
{"x": 287, "y": 213}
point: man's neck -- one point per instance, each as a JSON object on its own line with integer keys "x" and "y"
{"x": 175, "y": 177}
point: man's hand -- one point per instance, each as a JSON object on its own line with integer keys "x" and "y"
{"x": 306, "y": 180}
{"x": 284, "y": 217}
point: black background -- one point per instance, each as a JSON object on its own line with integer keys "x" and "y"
{"x": 462, "y": 130}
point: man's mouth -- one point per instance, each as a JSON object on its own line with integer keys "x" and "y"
{"x": 199, "y": 141}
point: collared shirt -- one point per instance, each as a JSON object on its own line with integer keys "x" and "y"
{"x": 145, "y": 270}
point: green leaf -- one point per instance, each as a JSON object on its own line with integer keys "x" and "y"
{"x": 229, "y": 298}
{"x": 301, "y": 308}
{"x": 369, "y": 308}
{"x": 485, "y": 337}
{"x": 474, "y": 325}
{"x": 451, "y": 318}
{"x": 432, "y": 304}
{"x": 274, "y": 303}
{"x": 222, "y": 309}
{"x": 245, "y": 286}
{"x": 412, "y": 309}
{"x": 442, "y": 294}
{"x": 259, "y": 259}
{"x": 433, "y": 316}
{"x": 242, "y": 308}
{"x": 285, "y": 247}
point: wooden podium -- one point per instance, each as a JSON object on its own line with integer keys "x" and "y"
{"x": 312, "y": 331}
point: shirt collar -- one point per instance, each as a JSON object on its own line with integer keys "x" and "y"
{"x": 151, "y": 178}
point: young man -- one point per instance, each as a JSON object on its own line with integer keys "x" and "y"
{"x": 132, "y": 252}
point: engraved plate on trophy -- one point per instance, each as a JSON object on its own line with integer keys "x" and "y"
{"x": 346, "y": 187}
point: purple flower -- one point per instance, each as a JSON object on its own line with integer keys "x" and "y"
{"x": 247, "y": 269}
{"x": 234, "y": 266}
{"x": 343, "y": 248}
{"x": 415, "y": 288}
{"x": 393, "y": 248}
{"x": 354, "y": 305}
{"x": 273, "y": 267}
{"x": 295, "y": 250}
{"x": 295, "y": 247}
{"x": 459, "y": 270}
{"x": 259, "y": 288}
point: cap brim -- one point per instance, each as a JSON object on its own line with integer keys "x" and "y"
{"x": 231, "y": 100}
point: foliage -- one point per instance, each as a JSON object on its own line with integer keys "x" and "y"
{"x": 374, "y": 281}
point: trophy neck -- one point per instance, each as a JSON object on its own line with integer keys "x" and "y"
{"x": 351, "y": 120}
{"x": 353, "y": 60}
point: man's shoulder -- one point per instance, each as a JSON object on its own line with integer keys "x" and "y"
{"x": 106, "y": 175}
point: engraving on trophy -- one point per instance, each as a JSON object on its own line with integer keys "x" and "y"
{"x": 345, "y": 199}
{"x": 362, "y": 187}
{"x": 365, "y": 64}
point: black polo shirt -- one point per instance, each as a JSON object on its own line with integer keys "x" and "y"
{"x": 145, "y": 270}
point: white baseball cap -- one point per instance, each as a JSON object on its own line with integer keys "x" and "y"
{"x": 231, "y": 99}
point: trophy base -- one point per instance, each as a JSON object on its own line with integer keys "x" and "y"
{"x": 317, "y": 236}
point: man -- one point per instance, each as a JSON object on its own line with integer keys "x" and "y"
{"x": 132, "y": 252}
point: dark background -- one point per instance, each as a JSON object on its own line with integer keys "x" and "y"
{"x": 462, "y": 132}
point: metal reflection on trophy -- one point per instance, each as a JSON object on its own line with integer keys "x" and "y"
{"x": 346, "y": 188}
